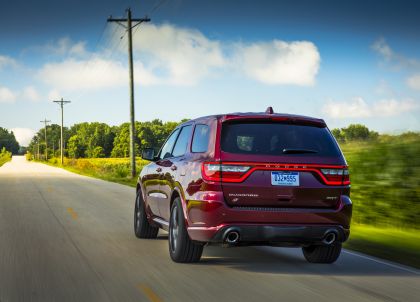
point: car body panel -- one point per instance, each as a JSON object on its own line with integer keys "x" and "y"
{"x": 209, "y": 206}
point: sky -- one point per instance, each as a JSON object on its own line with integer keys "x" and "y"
{"x": 343, "y": 61}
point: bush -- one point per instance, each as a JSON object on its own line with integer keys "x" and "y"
{"x": 385, "y": 177}
{"x": 354, "y": 132}
{"x": 5, "y": 156}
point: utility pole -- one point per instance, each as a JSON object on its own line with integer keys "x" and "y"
{"x": 62, "y": 102}
{"x": 46, "y": 145}
{"x": 129, "y": 27}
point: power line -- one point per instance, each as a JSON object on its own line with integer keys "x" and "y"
{"x": 157, "y": 6}
{"x": 127, "y": 23}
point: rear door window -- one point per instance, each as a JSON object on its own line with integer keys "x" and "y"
{"x": 200, "y": 141}
{"x": 277, "y": 139}
{"x": 182, "y": 141}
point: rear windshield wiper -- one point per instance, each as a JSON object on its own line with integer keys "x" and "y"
{"x": 298, "y": 151}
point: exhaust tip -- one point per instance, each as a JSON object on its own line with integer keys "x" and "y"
{"x": 232, "y": 237}
{"x": 329, "y": 238}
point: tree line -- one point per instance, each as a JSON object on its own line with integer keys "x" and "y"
{"x": 96, "y": 140}
{"x": 8, "y": 141}
{"x": 354, "y": 132}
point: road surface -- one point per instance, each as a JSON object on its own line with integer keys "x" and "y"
{"x": 66, "y": 237}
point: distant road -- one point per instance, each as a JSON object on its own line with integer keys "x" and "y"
{"x": 66, "y": 237}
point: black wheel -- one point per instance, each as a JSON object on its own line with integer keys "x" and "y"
{"x": 181, "y": 247}
{"x": 322, "y": 253}
{"x": 142, "y": 227}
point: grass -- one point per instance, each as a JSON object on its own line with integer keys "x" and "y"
{"x": 385, "y": 181}
{"x": 399, "y": 245}
{"x": 4, "y": 157}
{"x": 110, "y": 169}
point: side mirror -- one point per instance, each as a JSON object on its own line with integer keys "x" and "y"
{"x": 148, "y": 154}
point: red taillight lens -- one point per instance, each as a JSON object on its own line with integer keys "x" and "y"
{"x": 336, "y": 176}
{"x": 222, "y": 172}
{"x": 238, "y": 172}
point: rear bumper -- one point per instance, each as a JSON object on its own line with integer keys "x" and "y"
{"x": 281, "y": 235}
{"x": 208, "y": 221}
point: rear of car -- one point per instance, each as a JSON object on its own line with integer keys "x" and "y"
{"x": 247, "y": 179}
{"x": 283, "y": 181}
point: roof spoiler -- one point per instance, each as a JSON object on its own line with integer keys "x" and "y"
{"x": 269, "y": 110}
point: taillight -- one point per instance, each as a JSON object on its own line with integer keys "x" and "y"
{"x": 223, "y": 172}
{"x": 238, "y": 172}
{"x": 337, "y": 176}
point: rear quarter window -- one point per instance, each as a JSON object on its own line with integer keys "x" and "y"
{"x": 200, "y": 140}
{"x": 278, "y": 139}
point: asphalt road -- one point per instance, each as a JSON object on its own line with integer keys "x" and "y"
{"x": 66, "y": 237}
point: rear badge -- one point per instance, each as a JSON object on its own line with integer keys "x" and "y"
{"x": 331, "y": 197}
{"x": 285, "y": 178}
{"x": 237, "y": 195}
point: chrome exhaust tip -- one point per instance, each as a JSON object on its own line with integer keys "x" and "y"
{"x": 232, "y": 237}
{"x": 329, "y": 238}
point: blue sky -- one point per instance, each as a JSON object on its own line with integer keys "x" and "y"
{"x": 347, "y": 62}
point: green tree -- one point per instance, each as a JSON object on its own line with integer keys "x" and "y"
{"x": 93, "y": 135}
{"x": 354, "y": 132}
{"x": 338, "y": 134}
{"x": 53, "y": 140}
{"x": 8, "y": 141}
{"x": 75, "y": 147}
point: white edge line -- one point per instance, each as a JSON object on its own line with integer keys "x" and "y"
{"x": 404, "y": 268}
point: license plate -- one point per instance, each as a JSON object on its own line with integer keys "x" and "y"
{"x": 285, "y": 178}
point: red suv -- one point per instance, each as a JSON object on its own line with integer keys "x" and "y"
{"x": 247, "y": 179}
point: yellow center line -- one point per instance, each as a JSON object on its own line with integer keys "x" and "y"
{"x": 149, "y": 293}
{"x": 72, "y": 213}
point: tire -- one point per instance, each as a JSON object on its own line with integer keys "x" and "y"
{"x": 181, "y": 248}
{"x": 142, "y": 227}
{"x": 322, "y": 253}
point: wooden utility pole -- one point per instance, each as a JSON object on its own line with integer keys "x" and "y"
{"x": 46, "y": 145}
{"x": 62, "y": 102}
{"x": 129, "y": 28}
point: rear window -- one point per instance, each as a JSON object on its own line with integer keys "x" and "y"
{"x": 277, "y": 139}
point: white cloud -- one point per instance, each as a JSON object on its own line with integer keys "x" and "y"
{"x": 359, "y": 108}
{"x": 54, "y": 95}
{"x": 7, "y": 95}
{"x": 64, "y": 47}
{"x": 6, "y": 61}
{"x": 355, "y": 108}
{"x": 30, "y": 93}
{"x": 23, "y": 135}
{"x": 180, "y": 56}
{"x": 392, "y": 107}
{"x": 96, "y": 73}
{"x": 397, "y": 60}
{"x": 278, "y": 62}
{"x": 382, "y": 48}
{"x": 170, "y": 55}
{"x": 414, "y": 81}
